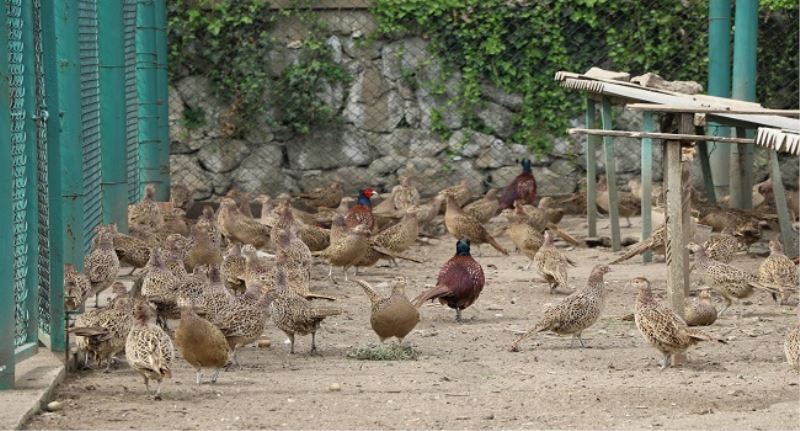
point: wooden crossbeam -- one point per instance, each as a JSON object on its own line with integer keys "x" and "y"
{"x": 653, "y": 135}
{"x": 655, "y": 107}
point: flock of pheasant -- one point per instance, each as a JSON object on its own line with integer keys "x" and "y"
{"x": 228, "y": 274}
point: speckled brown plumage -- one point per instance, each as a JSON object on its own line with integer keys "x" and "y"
{"x": 200, "y": 343}
{"x": 101, "y": 333}
{"x": 130, "y": 250}
{"x": 525, "y": 237}
{"x": 405, "y": 195}
{"x": 722, "y": 247}
{"x": 393, "y": 315}
{"x": 238, "y": 228}
{"x": 551, "y": 209}
{"x": 174, "y": 253}
{"x": 243, "y": 320}
{"x": 460, "y": 192}
{"x": 552, "y": 264}
{"x": 207, "y": 224}
{"x": 728, "y": 281}
{"x": 460, "y": 281}
{"x": 101, "y": 265}
{"x": 393, "y": 240}
{"x": 461, "y": 225}
{"x": 660, "y": 326}
{"x": 232, "y": 269}
{"x": 175, "y": 221}
{"x": 181, "y": 197}
{"x": 328, "y": 197}
{"x": 76, "y": 288}
{"x": 427, "y": 212}
{"x": 293, "y": 314}
{"x": 655, "y": 243}
{"x": 779, "y": 271}
{"x": 539, "y": 219}
{"x": 149, "y": 349}
{"x": 484, "y": 208}
{"x": 146, "y": 213}
{"x": 160, "y": 286}
{"x": 346, "y": 250}
{"x": 700, "y": 311}
{"x": 791, "y": 346}
{"x": 202, "y": 250}
{"x": 575, "y": 313}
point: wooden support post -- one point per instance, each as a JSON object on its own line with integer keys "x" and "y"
{"x": 611, "y": 176}
{"x": 746, "y": 152}
{"x": 647, "y": 183}
{"x": 678, "y": 227}
{"x": 705, "y": 166}
{"x": 591, "y": 168}
{"x": 787, "y": 234}
{"x": 741, "y": 173}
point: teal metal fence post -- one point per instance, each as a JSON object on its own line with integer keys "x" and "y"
{"x": 647, "y": 182}
{"x": 65, "y": 156}
{"x": 611, "y": 175}
{"x": 744, "y": 88}
{"x": 147, "y": 85}
{"x": 112, "y": 113}
{"x": 162, "y": 93}
{"x": 6, "y": 234}
{"x": 591, "y": 167}
{"x": 719, "y": 84}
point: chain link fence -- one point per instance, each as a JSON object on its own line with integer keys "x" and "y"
{"x": 287, "y": 97}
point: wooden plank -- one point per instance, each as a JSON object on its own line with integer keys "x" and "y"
{"x": 611, "y": 176}
{"x": 655, "y": 107}
{"x": 320, "y": 4}
{"x": 647, "y": 183}
{"x": 747, "y": 154}
{"x": 787, "y": 234}
{"x": 591, "y": 168}
{"x": 705, "y": 166}
{"x": 735, "y": 173}
{"x": 657, "y": 135}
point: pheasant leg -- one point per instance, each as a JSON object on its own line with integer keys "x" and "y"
{"x": 458, "y": 315}
{"x": 133, "y": 269}
{"x": 147, "y": 385}
{"x": 214, "y": 376}
{"x": 665, "y": 361}
{"x": 157, "y": 395}
{"x": 313, "y": 343}
{"x": 291, "y": 343}
{"x": 629, "y": 222}
{"x": 528, "y": 266}
{"x": 728, "y": 303}
{"x": 580, "y": 340}
{"x": 198, "y": 376}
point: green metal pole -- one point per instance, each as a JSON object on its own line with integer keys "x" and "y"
{"x": 592, "y": 142}
{"x": 744, "y": 88}
{"x": 719, "y": 84}
{"x": 647, "y": 183}
{"x": 147, "y": 85}
{"x": 65, "y": 153}
{"x": 162, "y": 93}
{"x": 611, "y": 175}
{"x": 7, "y": 361}
{"x": 112, "y": 113}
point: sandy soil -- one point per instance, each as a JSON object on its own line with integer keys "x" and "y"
{"x": 465, "y": 377}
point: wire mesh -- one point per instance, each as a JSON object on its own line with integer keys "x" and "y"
{"x": 341, "y": 99}
{"x": 131, "y": 100}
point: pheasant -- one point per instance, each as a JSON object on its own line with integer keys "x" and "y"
{"x": 76, "y": 288}
{"x": 232, "y": 269}
{"x": 701, "y": 310}
{"x": 102, "y": 331}
{"x": 484, "y": 208}
{"x": 149, "y": 349}
{"x": 660, "y": 326}
{"x": 174, "y": 253}
{"x": 207, "y": 224}
{"x": 779, "y": 271}
{"x": 215, "y": 298}
{"x": 405, "y": 195}
{"x": 522, "y": 187}
{"x": 461, "y": 192}
{"x": 551, "y": 263}
{"x": 243, "y": 320}
{"x": 346, "y": 250}
{"x": 315, "y": 237}
{"x": 130, "y": 250}
{"x": 200, "y": 343}
{"x": 328, "y": 197}
{"x": 160, "y": 286}
{"x": 181, "y": 197}
{"x": 101, "y": 265}
{"x": 293, "y": 314}
{"x": 461, "y": 225}
{"x": 428, "y": 211}
{"x": 538, "y": 218}
{"x": 460, "y": 281}
{"x": 720, "y": 218}
{"x": 525, "y": 237}
{"x": 629, "y": 205}
{"x": 728, "y": 281}
{"x": 361, "y": 212}
{"x": 656, "y": 192}
{"x": 722, "y": 247}
{"x": 575, "y": 313}
{"x": 393, "y": 241}
{"x": 236, "y": 227}
{"x": 791, "y": 347}
{"x": 656, "y": 243}
{"x": 202, "y": 250}
{"x": 175, "y": 221}
{"x": 146, "y": 213}
{"x": 553, "y": 213}
{"x": 391, "y": 316}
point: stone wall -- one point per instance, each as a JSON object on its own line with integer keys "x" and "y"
{"x": 387, "y": 127}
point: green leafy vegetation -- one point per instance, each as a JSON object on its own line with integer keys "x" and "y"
{"x": 384, "y": 352}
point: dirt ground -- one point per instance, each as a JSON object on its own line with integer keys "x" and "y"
{"x": 465, "y": 378}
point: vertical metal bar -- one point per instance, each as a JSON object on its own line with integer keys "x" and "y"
{"x": 112, "y": 113}
{"x": 65, "y": 156}
{"x": 147, "y": 85}
{"x": 719, "y": 84}
{"x": 611, "y": 176}
{"x": 787, "y": 234}
{"x": 7, "y": 323}
{"x": 647, "y": 183}
{"x": 744, "y": 88}
{"x": 591, "y": 168}
{"x": 746, "y": 153}
{"x": 705, "y": 166}
{"x": 741, "y": 172}
{"x": 162, "y": 94}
